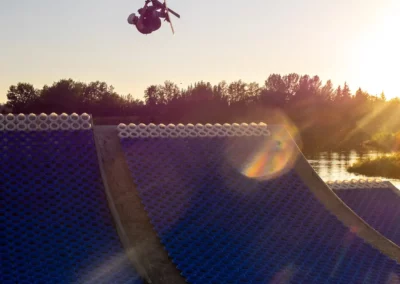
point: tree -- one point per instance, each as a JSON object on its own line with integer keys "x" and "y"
{"x": 346, "y": 93}
{"x": 275, "y": 83}
{"x": 20, "y": 98}
{"x": 383, "y": 97}
{"x": 253, "y": 92}
{"x": 4, "y": 109}
{"x": 221, "y": 92}
{"x": 151, "y": 95}
{"x": 201, "y": 93}
{"x": 237, "y": 92}
{"x": 361, "y": 96}
{"x": 338, "y": 94}
{"x": 63, "y": 96}
{"x": 291, "y": 82}
{"x": 327, "y": 92}
{"x": 169, "y": 92}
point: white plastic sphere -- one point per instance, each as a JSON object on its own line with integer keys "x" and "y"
{"x": 64, "y": 117}
{"x": 86, "y": 125}
{"x": 190, "y": 127}
{"x": 85, "y": 117}
{"x": 33, "y": 126}
{"x": 75, "y": 126}
{"x": 152, "y": 127}
{"x": 21, "y": 117}
{"x": 132, "y": 127}
{"x": 54, "y": 126}
{"x": 10, "y": 117}
{"x": 180, "y": 127}
{"x": 122, "y": 127}
{"x": 44, "y": 126}
{"x": 65, "y": 126}
{"x": 123, "y": 134}
{"x": 43, "y": 117}
{"x": 22, "y": 126}
{"x": 11, "y": 126}
{"x": 74, "y": 117}
{"x": 142, "y": 126}
{"x": 32, "y": 117}
{"x": 53, "y": 117}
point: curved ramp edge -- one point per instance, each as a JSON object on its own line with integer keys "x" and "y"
{"x": 344, "y": 213}
{"x": 136, "y": 232}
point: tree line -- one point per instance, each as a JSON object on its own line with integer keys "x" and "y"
{"x": 325, "y": 116}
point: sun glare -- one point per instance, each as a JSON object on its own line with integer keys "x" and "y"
{"x": 377, "y": 55}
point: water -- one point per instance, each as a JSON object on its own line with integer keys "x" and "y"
{"x": 332, "y": 166}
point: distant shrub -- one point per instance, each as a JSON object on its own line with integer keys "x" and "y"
{"x": 384, "y": 141}
{"x": 383, "y": 166}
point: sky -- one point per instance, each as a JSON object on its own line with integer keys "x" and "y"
{"x": 43, "y": 41}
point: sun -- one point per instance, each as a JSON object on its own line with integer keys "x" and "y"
{"x": 377, "y": 55}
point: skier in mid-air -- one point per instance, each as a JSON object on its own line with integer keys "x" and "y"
{"x": 149, "y": 19}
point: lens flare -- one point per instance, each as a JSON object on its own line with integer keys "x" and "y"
{"x": 274, "y": 157}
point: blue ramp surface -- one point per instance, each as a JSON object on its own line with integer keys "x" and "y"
{"x": 221, "y": 226}
{"x": 56, "y": 226}
{"x": 379, "y": 207}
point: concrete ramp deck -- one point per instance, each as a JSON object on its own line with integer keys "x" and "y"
{"x": 56, "y": 226}
{"x": 244, "y": 206}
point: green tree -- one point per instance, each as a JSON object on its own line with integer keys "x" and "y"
{"x": 327, "y": 92}
{"x": 151, "y": 96}
{"x": 253, "y": 92}
{"x": 276, "y": 83}
{"x": 346, "y": 92}
{"x": 22, "y": 97}
{"x": 338, "y": 94}
{"x": 221, "y": 92}
{"x": 169, "y": 92}
{"x": 237, "y": 92}
{"x": 291, "y": 82}
{"x": 383, "y": 97}
{"x": 361, "y": 97}
{"x": 65, "y": 95}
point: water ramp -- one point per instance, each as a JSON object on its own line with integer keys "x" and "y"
{"x": 56, "y": 225}
{"x": 376, "y": 202}
{"x": 240, "y": 204}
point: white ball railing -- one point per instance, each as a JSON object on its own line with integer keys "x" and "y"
{"x": 190, "y": 130}
{"x": 44, "y": 122}
{"x": 364, "y": 184}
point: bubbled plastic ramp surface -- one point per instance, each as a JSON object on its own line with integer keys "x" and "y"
{"x": 220, "y": 226}
{"x": 56, "y": 226}
{"x": 379, "y": 207}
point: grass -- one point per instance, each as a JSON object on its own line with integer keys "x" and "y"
{"x": 383, "y": 166}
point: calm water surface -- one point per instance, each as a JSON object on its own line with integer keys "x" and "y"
{"x": 331, "y": 166}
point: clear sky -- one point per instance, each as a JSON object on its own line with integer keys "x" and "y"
{"x": 42, "y": 41}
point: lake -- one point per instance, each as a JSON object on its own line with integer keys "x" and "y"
{"x": 331, "y": 166}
